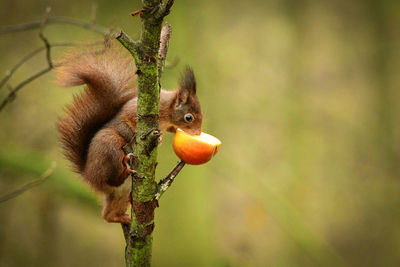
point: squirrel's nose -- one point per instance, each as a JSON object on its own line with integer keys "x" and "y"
{"x": 197, "y": 132}
{"x": 194, "y": 131}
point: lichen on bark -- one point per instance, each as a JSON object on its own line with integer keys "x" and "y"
{"x": 144, "y": 187}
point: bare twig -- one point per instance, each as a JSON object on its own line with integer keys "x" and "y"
{"x": 128, "y": 43}
{"x": 138, "y": 12}
{"x": 55, "y": 20}
{"x": 165, "y": 183}
{"x": 29, "y": 185}
{"x": 162, "y": 52}
{"x": 44, "y": 39}
{"x": 11, "y": 96}
{"x": 47, "y": 46}
{"x": 9, "y": 73}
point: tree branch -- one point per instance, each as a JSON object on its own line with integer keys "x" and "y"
{"x": 145, "y": 52}
{"x": 162, "y": 52}
{"x": 125, "y": 231}
{"x": 9, "y": 73}
{"x": 29, "y": 185}
{"x": 55, "y": 20}
{"x": 165, "y": 183}
{"x": 165, "y": 8}
{"x": 11, "y": 96}
{"x": 47, "y": 46}
{"x": 129, "y": 44}
{"x": 44, "y": 39}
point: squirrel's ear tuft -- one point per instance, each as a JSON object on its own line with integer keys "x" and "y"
{"x": 188, "y": 81}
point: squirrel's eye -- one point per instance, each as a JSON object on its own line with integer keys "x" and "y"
{"x": 188, "y": 117}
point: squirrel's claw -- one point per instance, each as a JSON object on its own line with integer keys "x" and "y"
{"x": 127, "y": 162}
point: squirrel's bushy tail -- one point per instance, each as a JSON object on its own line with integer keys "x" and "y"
{"x": 108, "y": 76}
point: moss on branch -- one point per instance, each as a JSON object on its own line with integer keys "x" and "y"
{"x": 144, "y": 187}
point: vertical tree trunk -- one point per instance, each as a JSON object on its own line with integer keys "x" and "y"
{"x": 144, "y": 187}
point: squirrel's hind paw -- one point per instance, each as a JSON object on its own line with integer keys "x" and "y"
{"x": 124, "y": 219}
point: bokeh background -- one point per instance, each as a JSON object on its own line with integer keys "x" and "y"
{"x": 304, "y": 96}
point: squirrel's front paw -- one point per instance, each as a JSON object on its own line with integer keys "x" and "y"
{"x": 127, "y": 162}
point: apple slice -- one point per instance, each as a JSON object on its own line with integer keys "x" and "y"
{"x": 195, "y": 149}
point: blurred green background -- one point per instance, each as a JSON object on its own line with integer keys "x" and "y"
{"x": 303, "y": 95}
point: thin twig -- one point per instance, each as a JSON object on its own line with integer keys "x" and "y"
{"x": 165, "y": 183}
{"x": 33, "y": 53}
{"x": 11, "y": 96}
{"x": 44, "y": 39}
{"x": 29, "y": 185}
{"x": 55, "y": 20}
{"x": 47, "y": 46}
{"x": 162, "y": 52}
{"x": 138, "y": 12}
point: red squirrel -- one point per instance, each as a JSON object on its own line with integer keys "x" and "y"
{"x": 102, "y": 120}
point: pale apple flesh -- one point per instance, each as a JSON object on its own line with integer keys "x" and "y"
{"x": 195, "y": 149}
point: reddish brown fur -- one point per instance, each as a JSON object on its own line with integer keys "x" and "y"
{"x": 102, "y": 120}
{"x": 107, "y": 77}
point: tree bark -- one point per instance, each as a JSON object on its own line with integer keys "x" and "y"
{"x": 144, "y": 187}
